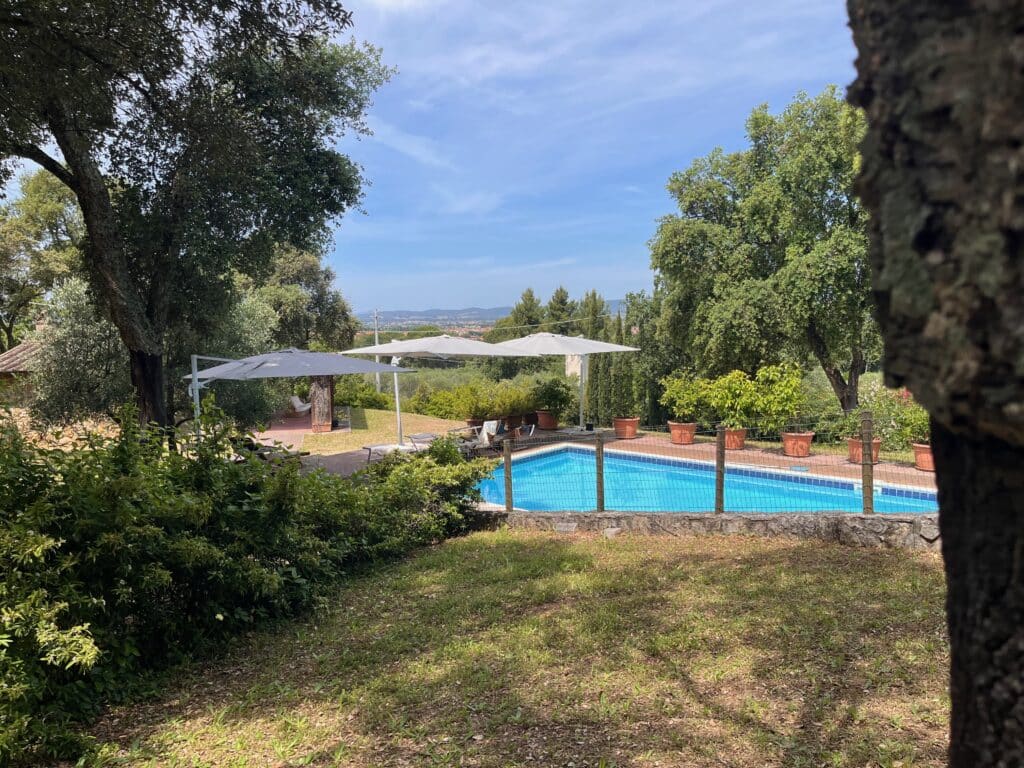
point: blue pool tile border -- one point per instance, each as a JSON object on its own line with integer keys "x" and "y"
{"x": 762, "y": 474}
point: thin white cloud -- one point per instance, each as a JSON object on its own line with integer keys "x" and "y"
{"x": 422, "y": 149}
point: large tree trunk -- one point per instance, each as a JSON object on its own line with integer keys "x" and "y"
{"x": 107, "y": 262}
{"x": 942, "y": 85}
{"x": 982, "y": 528}
{"x": 147, "y": 372}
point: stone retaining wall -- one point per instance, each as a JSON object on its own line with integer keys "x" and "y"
{"x": 891, "y": 531}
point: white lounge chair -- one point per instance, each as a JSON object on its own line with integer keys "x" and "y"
{"x": 298, "y": 406}
{"x": 482, "y": 438}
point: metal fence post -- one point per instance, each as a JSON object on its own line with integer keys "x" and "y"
{"x": 720, "y": 469}
{"x": 867, "y": 464}
{"x": 599, "y": 470}
{"x": 506, "y": 447}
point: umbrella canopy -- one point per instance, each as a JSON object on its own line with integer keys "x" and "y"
{"x": 554, "y": 344}
{"x": 440, "y": 346}
{"x": 292, "y": 363}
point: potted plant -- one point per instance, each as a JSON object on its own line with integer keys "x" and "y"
{"x": 510, "y": 402}
{"x": 473, "y": 404}
{"x": 552, "y": 397}
{"x": 917, "y": 429}
{"x": 684, "y": 396}
{"x": 779, "y": 400}
{"x": 733, "y": 398}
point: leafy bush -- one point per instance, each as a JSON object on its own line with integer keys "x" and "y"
{"x": 733, "y": 398}
{"x": 554, "y": 395}
{"x": 510, "y": 398}
{"x": 121, "y": 556}
{"x": 360, "y": 393}
{"x": 779, "y": 396}
{"x": 686, "y": 397}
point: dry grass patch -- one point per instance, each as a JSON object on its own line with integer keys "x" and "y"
{"x": 516, "y": 649}
{"x": 370, "y": 426}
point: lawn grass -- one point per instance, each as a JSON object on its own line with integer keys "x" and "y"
{"x": 529, "y": 649}
{"x": 370, "y": 426}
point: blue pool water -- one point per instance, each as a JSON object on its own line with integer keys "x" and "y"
{"x": 564, "y": 480}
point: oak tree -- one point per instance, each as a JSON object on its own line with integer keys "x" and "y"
{"x": 196, "y": 136}
{"x": 941, "y": 85}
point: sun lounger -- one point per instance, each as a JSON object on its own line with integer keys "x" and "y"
{"x": 383, "y": 449}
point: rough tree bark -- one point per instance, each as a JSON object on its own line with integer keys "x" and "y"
{"x": 107, "y": 262}
{"x": 943, "y": 179}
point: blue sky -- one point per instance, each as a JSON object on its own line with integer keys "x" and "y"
{"x": 527, "y": 144}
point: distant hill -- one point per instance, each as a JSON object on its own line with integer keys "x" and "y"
{"x": 442, "y": 317}
{"x": 445, "y": 318}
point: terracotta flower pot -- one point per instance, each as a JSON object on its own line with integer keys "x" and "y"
{"x": 735, "y": 439}
{"x": 923, "y": 457}
{"x": 530, "y": 418}
{"x": 797, "y": 444}
{"x": 625, "y": 429}
{"x": 511, "y": 422}
{"x": 855, "y": 446}
{"x": 546, "y": 420}
{"x": 682, "y": 432}
{"x": 475, "y": 422}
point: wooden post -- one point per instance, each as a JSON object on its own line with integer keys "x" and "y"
{"x": 867, "y": 464}
{"x": 720, "y": 469}
{"x": 506, "y": 447}
{"x": 321, "y": 413}
{"x": 599, "y": 470}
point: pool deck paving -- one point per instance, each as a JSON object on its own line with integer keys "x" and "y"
{"x": 290, "y": 431}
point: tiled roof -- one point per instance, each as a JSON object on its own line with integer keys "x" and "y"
{"x": 19, "y": 359}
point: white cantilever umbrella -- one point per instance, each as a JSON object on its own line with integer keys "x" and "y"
{"x": 283, "y": 364}
{"x": 439, "y": 346}
{"x": 443, "y": 346}
{"x": 555, "y": 344}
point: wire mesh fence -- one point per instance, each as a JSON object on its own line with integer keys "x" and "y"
{"x": 707, "y": 470}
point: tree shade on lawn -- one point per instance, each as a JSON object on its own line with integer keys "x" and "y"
{"x": 941, "y": 84}
{"x": 556, "y": 344}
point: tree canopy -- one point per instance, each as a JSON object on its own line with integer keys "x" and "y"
{"x": 196, "y": 135}
{"x": 767, "y": 256}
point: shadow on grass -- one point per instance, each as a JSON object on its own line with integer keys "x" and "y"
{"x": 358, "y": 419}
{"x": 505, "y": 649}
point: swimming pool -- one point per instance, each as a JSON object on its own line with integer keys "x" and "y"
{"x": 564, "y": 479}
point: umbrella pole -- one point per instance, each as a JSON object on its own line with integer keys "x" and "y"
{"x": 194, "y": 388}
{"x": 584, "y": 359}
{"x": 398, "y": 410}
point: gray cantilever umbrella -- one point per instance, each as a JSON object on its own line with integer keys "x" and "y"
{"x": 285, "y": 364}
{"x": 555, "y": 344}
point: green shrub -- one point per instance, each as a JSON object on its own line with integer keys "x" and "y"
{"x": 686, "y": 397}
{"x": 896, "y": 417}
{"x": 510, "y": 398}
{"x": 554, "y": 395}
{"x": 360, "y": 393}
{"x": 733, "y": 399}
{"x": 121, "y": 556}
{"x": 779, "y": 396}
